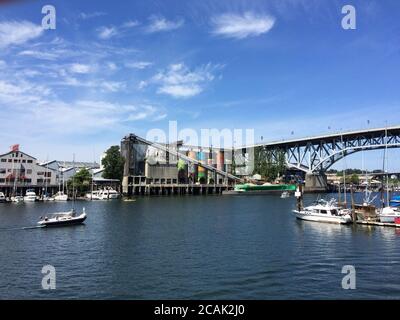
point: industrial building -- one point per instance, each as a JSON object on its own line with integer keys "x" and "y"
{"x": 152, "y": 168}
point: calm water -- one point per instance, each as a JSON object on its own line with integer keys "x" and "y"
{"x": 215, "y": 247}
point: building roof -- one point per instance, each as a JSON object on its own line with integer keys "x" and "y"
{"x": 9, "y": 152}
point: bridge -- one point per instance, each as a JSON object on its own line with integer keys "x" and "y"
{"x": 319, "y": 153}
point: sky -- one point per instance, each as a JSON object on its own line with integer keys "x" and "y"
{"x": 284, "y": 68}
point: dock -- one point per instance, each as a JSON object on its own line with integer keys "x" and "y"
{"x": 378, "y": 224}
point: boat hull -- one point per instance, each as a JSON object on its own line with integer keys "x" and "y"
{"x": 319, "y": 218}
{"x": 64, "y": 223}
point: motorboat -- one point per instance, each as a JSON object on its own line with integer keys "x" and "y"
{"x": 2, "y": 197}
{"x": 107, "y": 194}
{"x": 46, "y": 197}
{"x": 389, "y": 214}
{"x": 30, "y": 196}
{"x": 324, "y": 211}
{"x": 94, "y": 195}
{"x": 17, "y": 199}
{"x": 61, "y": 196}
{"x": 63, "y": 219}
{"x": 285, "y": 194}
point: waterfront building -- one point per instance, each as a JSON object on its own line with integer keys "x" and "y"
{"x": 20, "y": 171}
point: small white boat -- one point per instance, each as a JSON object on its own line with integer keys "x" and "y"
{"x": 2, "y": 197}
{"x": 30, "y": 196}
{"x": 389, "y": 214}
{"x": 63, "y": 219}
{"x": 61, "y": 196}
{"x": 285, "y": 194}
{"x": 17, "y": 199}
{"x": 107, "y": 194}
{"x": 324, "y": 211}
{"x": 94, "y": 195}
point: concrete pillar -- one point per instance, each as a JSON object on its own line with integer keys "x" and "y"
{"x": 316, "y": 182}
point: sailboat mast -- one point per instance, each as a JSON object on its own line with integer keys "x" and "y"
{"x": 386, "y": 167}
{"x": 344, "y": 176}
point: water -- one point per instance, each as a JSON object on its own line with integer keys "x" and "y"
{"x": 214, "y": 247}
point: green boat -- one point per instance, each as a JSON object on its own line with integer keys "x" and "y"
{"x": 249, "y": 188}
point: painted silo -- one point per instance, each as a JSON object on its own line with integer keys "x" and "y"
{"x": 192, "y": 168}
{"x": 221, "y": 160}
{"x": 202, "y": 172}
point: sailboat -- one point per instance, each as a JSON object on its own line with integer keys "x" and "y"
{"x": 15, "y": 198}
{"x": 60, "y": 195}
{"x": 387, "y": 213}
{"x": 67, "y": 218}
{"x": 366, "y": 210}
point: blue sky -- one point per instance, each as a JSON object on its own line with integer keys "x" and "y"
{"x": 284, "y": 68}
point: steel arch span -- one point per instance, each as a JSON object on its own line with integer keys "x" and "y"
{"x": 318, "y": 154}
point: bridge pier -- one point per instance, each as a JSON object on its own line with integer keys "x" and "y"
{"x": 316, "y": 182}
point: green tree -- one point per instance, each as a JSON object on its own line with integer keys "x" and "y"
{"x": 80, "y": 181}
{"x": 355, "y": 179}
{"x": 113, "y": 164}
{"x": 269, "y": 164}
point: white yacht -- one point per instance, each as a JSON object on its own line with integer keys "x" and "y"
{"x": 94, "y": 195}
{"x": 2, "y": 197}
{"x": 389, "y": 214}
{"x": 107, "y": 194}
{"x": 30, "y": 196}
{"x": 324, "y": 211}
{"x": 61, "y": 196}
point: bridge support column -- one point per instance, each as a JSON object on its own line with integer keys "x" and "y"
{"x": 316, "y": 182}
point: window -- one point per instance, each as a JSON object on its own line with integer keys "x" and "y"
{"x": 29, "y": 161}
{"x": 40, "y": 173}
{"x": 2, "y": 171}
{"x": 323, "y": 212}
{"x": 2, "y": 180}
{"x": 3, "y": 160}
{"x": 9, "y": 160}
{"x": 29, "y": 171}
{"x": 23, "y": 161}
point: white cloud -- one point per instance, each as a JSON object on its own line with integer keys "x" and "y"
{"x": 112, "y": 66}
{"x": 3, "y": 64}
{"x": 85, "y": 16}
{"x": 80, "y": 68}
{"x": 179, "y": 81}
{"x": 39, "y": 54}
{"x": 242, "y": 26}
{"x": 112, "y": 31}
{"x": 139, "y": 64}
{"x": 181, "y": 91}
{"x": 159, "y": 24}
{"x": 107, "y": 32}
{"x": 130, "y": 24}
{"x": 18, "y": 32}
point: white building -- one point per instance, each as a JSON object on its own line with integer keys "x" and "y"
{"x": 20, "y": 169}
